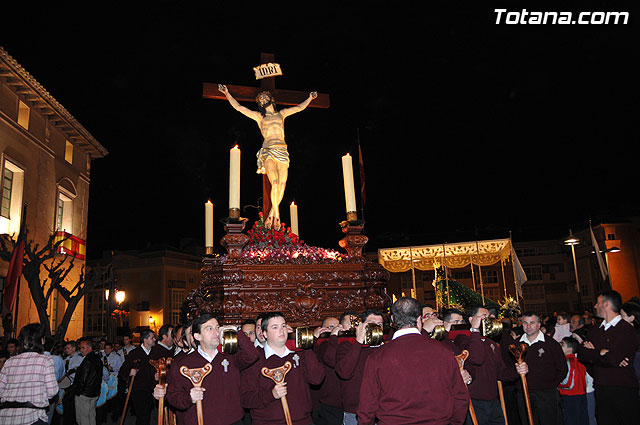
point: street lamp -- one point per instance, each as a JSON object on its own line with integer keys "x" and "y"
{"x": 113, "y": 303}
{"x": 572, "y": 241}
{"x": 120, "y": 296}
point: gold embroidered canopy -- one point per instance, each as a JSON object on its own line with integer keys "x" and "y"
{"x": 452, "y": 255}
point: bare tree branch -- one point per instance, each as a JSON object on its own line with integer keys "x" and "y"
{"x": 58, "y": 267}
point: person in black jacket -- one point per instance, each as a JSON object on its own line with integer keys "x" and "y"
{"x": 86, "y": 385}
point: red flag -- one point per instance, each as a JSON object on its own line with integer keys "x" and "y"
{"x": 363, "y": 194}
{"x": 15, "y": 265}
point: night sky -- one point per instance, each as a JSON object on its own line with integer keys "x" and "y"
{"x": 468, "y": 129}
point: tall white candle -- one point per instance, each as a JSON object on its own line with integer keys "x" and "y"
{"x": 349, "y": 189}
{"x": 234, "y": 178}
{"x": 208, "y": 224}
{"x": 293, "y": 212}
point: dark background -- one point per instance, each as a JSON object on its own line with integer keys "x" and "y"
{"x": 468, "y": 129}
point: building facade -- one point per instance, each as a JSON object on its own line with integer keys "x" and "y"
{"x": 45, "y": 162}
{"x": 155, "y": 283}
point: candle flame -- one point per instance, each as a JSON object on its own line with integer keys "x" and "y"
{"x": 209, "y": 201}
{"x": 235, "y": 147}
{"x": 293, "y": 203}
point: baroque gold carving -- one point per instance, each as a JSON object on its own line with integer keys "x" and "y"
{"x": 483, "y": 253}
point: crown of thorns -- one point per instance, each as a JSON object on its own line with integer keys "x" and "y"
{"x": 264, "y": 98}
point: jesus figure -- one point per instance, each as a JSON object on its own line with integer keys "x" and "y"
{"x": 273, "y": 157}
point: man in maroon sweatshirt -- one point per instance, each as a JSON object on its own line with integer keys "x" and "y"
{"x": 220, "y": 391}
{"x": 329, "y": 409}
{"x": 545, "y": 367}
{"x": 163, "y": 347}
{"x": 611, "y": 348}
{"x": 487, "y": 367}
{"x": 262, "y": 396}
{"x": 137, "y": 364}
{"x": 350, "y": 360}
{"x": 412, "y": 379}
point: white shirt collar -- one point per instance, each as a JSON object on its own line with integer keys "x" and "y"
{"x": 206, "y": 356}
{"x": 613, "y": 322}
{"x": 539, "y": 338}
{"x": 268, "y": 351}
{"x": 167, "y": 347}
{"x": 405, "y": 331}
{"x": 257, "y": 343}
{"x": 145, "y": 349}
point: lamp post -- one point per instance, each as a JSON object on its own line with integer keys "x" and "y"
{"x": 113, "y": 302}
{"x": 572, "y": 241}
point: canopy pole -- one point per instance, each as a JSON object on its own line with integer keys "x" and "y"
{"x": 473, "y": 275}
{"x": 504, "y": 281}
{"x": 446, "y": 276}
{"x": 413, "y": 275}
{"x": 480, "y": 273}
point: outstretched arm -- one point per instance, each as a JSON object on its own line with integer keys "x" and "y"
{"x": 301, "y": 107}
{"x": 238, "y": 107}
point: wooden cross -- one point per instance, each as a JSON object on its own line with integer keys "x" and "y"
{"x": 282, "y": 97}
{"x": 277, "y": 375}
{"x": 461, "y": 358}
{"x": 196, "y": 376}
{"x": 518, "y": 352}
{"x": 161, "y": 366}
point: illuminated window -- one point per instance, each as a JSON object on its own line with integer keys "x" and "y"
{"x": 23, "y": 114}
{"x": 64, "y": 213}
{"x": 7, "y": 184}
{"x": 68, "y": 152}
{"x": 10, "y": 211}
{"x": 64, "y": 206}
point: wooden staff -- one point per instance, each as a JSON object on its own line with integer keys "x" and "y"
{"x": 518, "y": 352}
{"x": 161, "y": 365}
{"x": 277, "y": 375}
{"x": 461, "y": 359}
{"x": 126, "y": 401}
{"x": 196, "y": 376}
{"x": 504, "y": 408}
{"x": 501, "y": 393}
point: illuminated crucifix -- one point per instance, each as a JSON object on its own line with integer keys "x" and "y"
{"x": 273, "y": 158}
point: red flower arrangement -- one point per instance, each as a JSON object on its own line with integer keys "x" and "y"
{"x": 262, "y": 237}
{"x": 283, "y": 246}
